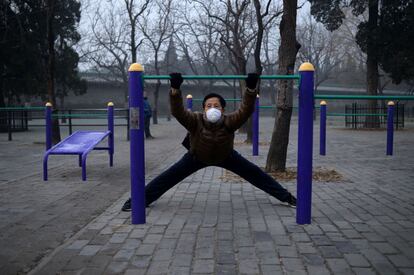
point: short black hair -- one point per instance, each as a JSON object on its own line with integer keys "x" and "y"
{"x": 221, "y": 99}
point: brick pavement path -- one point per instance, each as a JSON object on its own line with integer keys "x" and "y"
{"x": 363, "y": 225}
{"x": 37, "y": 216}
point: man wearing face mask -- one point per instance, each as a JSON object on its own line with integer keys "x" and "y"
{"x": 211, "y": 138}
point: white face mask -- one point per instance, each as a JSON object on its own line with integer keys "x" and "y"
{"x": 213, "y": 115}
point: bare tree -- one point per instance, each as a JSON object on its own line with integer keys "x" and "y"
{"x": 324, "y": 49}
{"x": 112, "y": 44}
{"x": 241, "y": 28}
{"x": 200, "y": 46}
{"x": 289, "y": 47}
{"x": 156, "y": 27}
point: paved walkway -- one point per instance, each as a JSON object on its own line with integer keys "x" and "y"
{"x": 207, "y": 224}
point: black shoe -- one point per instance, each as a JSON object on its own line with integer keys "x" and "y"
{"x": 291, "y": 201}
{"x": 127, "y": 206}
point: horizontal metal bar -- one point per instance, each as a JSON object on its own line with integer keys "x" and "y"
{"x": 226, "y": 99}
{"x": 80, "y": 115}
{"x": 384, "y": 97}
{"x": 216, "y": 77}
{"x": 344, "y": 114}
{"x": 21, "y": 108}
{"x": 76, "y": 125}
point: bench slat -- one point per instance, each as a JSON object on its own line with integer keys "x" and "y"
{"x": 79, "y": 142}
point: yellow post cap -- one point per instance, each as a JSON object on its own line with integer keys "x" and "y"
{"x": 306, "y": 67}
{"x": 110, "y": 104}
{"x": 391, "y": 103}
{"x": 323, "y": 102}
{"x": 48, "y": 104}
{"x": 136, "y": 67}
{"x": 189, "y": 96}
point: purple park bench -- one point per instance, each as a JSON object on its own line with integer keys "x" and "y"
{"x": 80, "y": 142}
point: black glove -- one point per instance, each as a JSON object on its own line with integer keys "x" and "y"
{"x": 251, "y": 80}
{"x": 176, "y": 80}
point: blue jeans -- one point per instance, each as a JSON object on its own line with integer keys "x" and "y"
{"x": 236, "y": 163}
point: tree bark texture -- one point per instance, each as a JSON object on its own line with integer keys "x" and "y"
{"x": 276, "y": 158}
{"x": 51, "y": 69}
{"x": 372, "y": 64}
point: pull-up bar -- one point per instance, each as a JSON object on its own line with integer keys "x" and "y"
{"x": 217, "y": 77}
{"x": 136, "y": 111}
{"x": 350, "y": 97}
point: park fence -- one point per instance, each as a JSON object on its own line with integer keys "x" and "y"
{"x": 357, "y": 116}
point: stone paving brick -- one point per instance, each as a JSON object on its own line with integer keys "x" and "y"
{"x": 225, "y": 269}
{"x": 182, "y": 260}
{"x": 313, "y": 259}
{"x": 110, "y": 248}
{"x": 363, "y": 271}
{"x": 320, "y": 270}
{"x": 401, "y": 261}
{"x": 203, "y": 266}
{"x": 248, "y": 267}
{"x": 407, "y": 271}
{"x": 78, "y": 244}
{"x": 288, "y": 251}
{"x": 356, "y": 260}
{"x": 306, "y": 248}
{"x": 141, "y": 261}
{"x": 267, "y": 269}
{"x": 339, "y": 266}
{"x": 158, "y": 267}
{"x": 90, "y": 250}
{"x": 116, "y": 267}
{"x": 118, "y": 238}
{"x": 138, "y": 233}
{"x": 145, "y": 249}
{"x": 330, "y": 252}
{"x": 124, "y": 255}
{"x": 384, "y": 248}
{"x": 292, "y": 264}
{"x": 132, "y": 271}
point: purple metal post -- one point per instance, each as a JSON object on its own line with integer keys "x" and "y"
{"x": 322, "y": 130}
{"x": 255, "y": 129}
{"x": 48, "y": 117}
{"x": 390, "y": 128}
{"x": 305, "y": 145}
{"x": 189, "y": 102}
{"x": 111, "y": 135}
{"x": 136, "y": 118}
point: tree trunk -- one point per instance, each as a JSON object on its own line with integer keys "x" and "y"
{"x": 2, "y": 99}
{"x": 276, "y": 158}
{"x": 372, "y": 65}
{"x": 51, "y": 69}
{"x": 156, "y": 100}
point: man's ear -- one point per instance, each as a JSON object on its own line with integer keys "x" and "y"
{"x": 222, "y": 110}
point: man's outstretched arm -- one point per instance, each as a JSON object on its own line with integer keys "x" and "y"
{"x": 186, "y": 118}
{"x": 239, "y": 117}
